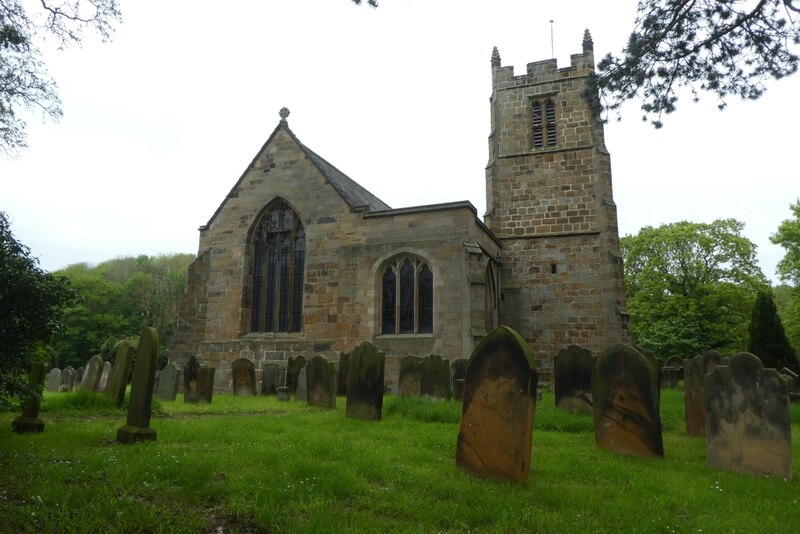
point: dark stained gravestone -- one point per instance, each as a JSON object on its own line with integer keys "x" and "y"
{"x": 497, "y": 415}
{"x": 322, "y": 383}
{"x": 244, "y": 378}
{"x": 168, "y": 383}
{"x": 272, "y": 377}
{"x": 748, "y": 425}
{"x": 205, "y": 383}
{"x": 572, "y": 375}
{"x": 283, "y": 393}
{"x": 676, "y": 362}
{"x": 104, "y": 374}
{"x": 91, "y": 374}
{"x": 118, "y": 382}
{"x": 139, "y": 407}
{"x": 669, "y": 378}
{"x": 435, "y": 377}
{"x": 29, "y": 420}
{"x": 344, "y": 362}
{"x": 78, "y": 379}
{"x": 301, "y": 392}
{"x": 409, "y": 382}
{"x": 694, "y": 396}
{"x": 458, "y": 372}
{"x": 293, "y": 372}
{"x": 54, "y": 379}
{"x": 190, "y": 372}
{"x": 365, "y": 382}
{"x": 67, "y": 380}
{"x": 626, "y": 408}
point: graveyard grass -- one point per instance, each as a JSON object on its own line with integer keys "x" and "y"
{"x": 259, "y": 465}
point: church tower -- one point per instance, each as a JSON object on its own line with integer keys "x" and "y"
{"x": 549, "y": 200}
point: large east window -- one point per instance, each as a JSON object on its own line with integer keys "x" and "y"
{"x": 278, "y": 258}
{"x": 407, "y": 297}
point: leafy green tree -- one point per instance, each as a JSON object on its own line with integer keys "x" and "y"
{"x": 767, "y": 338}
{"x": 788, "y": 236}
{"x": 24, "y": 82}
{"x": 787, "y": 300}
{"x": 691, "y": 286}
{"x": 31, "y": 303}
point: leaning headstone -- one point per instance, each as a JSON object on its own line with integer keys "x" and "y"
{"x": 344, "y": 362}
{"x": 572, "y": 375}
{"x": 29, "y": 420}
{"x": 293, "y": 372}
{"x": 694, "y": 396}
{"x": 78, "y": 379}
{"x": 626, "y": 407}
{"x": 67, "y": 380}
{"x": 272, "y": 377}
{"x": 365, "y": 385}
{"x": 54, "y": 379}
{"x": 168, "y": 384}
{"x": 139, "y": 407}
{"x": 409, "y": 382}
{"x": 104, "y": 374}
{"x": 458, "y": 374}
{"x": 118, "y": 382}
{"x": 301, "y": 391}
{"x": 91, "y": 373}
{"x": 244, "y": 378}
{"x": 497, "y": 415}
{"x": 321, "y": 382}
{"x": 435, "y": 377}
{"x": 748, "y": 424}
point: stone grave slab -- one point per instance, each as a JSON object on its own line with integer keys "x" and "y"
{"x": 243, "y": 373}
{"x": 140, "y": 405}
{"x": 365, "y": 382}
{"x": 301, "y": 391}
{"x": 321, "y": 382}
{"x": 572, "y": 377}
{"x": 54, "y": 379}
{"x": 121, "y": 370}
{"x": 435, "y": 377}
{"x": 293, "y": 372}
{"x": 67, "y": 380}
{"x": 694, "y": 396}
{"x": 168, "y": 383}
{"x": 91, "y": 374}
{"x": 409, "y": 383}
{"x": 272, "y": 377}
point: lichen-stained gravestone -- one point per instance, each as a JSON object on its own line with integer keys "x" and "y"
{"x": 435, "y": 377}
{"x": 321, "y": 382}
{"x": 694, "y": 396}
{"x": 272, "y": 377}
{"x": 344, "y": 362}
{"x": 458, "y": 372}
{"x": 365, "y": 382}
{"x": 748, "y": 424}
{"x": 409, "y": 382}
{"x": 54, "y": 379}
{"x": 572, "y": 374}
{"x": 497, "y": 414}
{"x": 626, "y": 408}
{"x": 293, "y": 372}
{"x": 168, "y": 383}
{"x": 91, "y": 374}
{"x": 244, "y": 378}
{"x": 139, "y": 407}
{"x": 29, "y": 420}
{"x": 118, "y": 382}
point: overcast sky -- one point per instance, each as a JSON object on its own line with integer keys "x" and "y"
{"x": 160, "y": 123}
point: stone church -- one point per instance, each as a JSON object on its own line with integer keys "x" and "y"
{"x": 299, "y": 259}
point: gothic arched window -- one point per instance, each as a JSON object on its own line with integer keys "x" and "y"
{"x": 407, "y": 297}
{"x": 279, "y": 243}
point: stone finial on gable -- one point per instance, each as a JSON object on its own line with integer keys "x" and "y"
{"x": 495, "y": 57}
{"x": 284, "y": 113}
{"x": 588, "y": 44}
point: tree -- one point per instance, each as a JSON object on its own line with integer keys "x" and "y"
{"x": 728, "y": 48}
{"x": 767, "y": 338}
{"x": 24, "y": 82}
{"x": 31, "y": 303}
{"x": 787, "y": 300}
{"x": 691, "y": 286}
{"x": 788, "y": 236}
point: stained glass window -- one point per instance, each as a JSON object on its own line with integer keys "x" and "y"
{"x": 407, "y": 297}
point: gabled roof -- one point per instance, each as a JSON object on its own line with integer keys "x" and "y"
{"x": 354, "y": 195}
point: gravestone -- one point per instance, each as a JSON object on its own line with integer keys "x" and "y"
{"x": 409, "y": 382}
{"x": 283, "y": 393}
{"x": 205, "y": 383}
{"x": 572, "y": 375}
{"x": 301, "y": 391}
{"x": 244, "y": 378}
{"x": 156, "y": 380}
{"x": 793, "y": 382}
{"x": 669, "y": 378}
{"x": 293, "y": 373}
{"x": 497, "y": 415}
{"x": 458, "y": 372}
{"x": 321, "y": 382}
{"x": 748, "y": 424}
{"x": 626, "y": 408}
{"x": 78, "y": 379}
{"x": 168, "y": 383}
{"x": 676, "y": 362}
{"x": 344, "y": 362}
{"x": 694, "y": 396}
{"x": 29, "y": 420}
{"x": 54, "y": 379}
{"x": 365, "y": 382}
{"x": 67, "y": 380}
{"x": 91, "y": 373}
{"x": 118, "y": 382}
{"x": 272, "y": 377}
{"x": 104, "y": 374}
{"x": 435, "y": 377}
{"x": 139, "y": 407}
{"x": 190, "y": 371}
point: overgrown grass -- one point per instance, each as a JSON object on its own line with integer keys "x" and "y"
{"x": 260, "y": 465}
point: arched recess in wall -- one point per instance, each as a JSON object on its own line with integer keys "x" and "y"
{"x": 276, "y": 255}
{"x": 405, "y": 295}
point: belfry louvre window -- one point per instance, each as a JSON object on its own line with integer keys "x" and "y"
{"x": 407, "y": 297}
{"x": 544, "y": 123}
{"x": 278, "y": 259}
